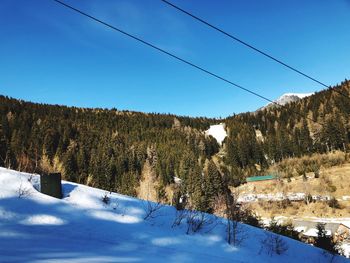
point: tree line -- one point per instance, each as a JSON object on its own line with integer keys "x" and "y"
{"x": 316, "y": 124}
{"x": 99, "y": 147}
{"x": 108, "y": 149}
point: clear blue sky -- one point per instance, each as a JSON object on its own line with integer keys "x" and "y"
{"x": 52, "y": 55}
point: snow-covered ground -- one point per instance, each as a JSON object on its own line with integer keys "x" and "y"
{"x": 81, "y": 228}
{"x": 218, "y": 132}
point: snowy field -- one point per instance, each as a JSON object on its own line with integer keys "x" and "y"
{"x": 81, "y": 228}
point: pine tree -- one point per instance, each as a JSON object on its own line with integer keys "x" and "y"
{"x": 325, "y": 241}
{"x": 213, "y": 182}
{"x": 70, "y": 166}
{"x": 3, "y": 147}
{"x": 305, "y": 139}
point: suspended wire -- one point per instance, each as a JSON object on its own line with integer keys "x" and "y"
{"x": 177, "y": 57}
{"x": 249, "y": 46}
{"x": 166, "y": 52}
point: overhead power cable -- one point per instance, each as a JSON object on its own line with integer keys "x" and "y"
{"x": 165, "y": 52}
{"x": 176, "y": 57}
{"x": 248, "y": 45}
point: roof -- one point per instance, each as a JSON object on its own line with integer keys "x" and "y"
{"x": 313, "y": 232}
{"x": 309, "y": 228}
{"x": 260, "y": 178}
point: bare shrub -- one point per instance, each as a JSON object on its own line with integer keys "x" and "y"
{"x": 308, "y": 199}
{"x": 315, "y": 168}
{"x": 30, "y": 178}
{"x": 329, "y": 185}
{"x": 236, "y": 233}
{"x": 23, "y": 191}
{"x": 284, "y": 204}
{"x": 179, "y": 217}
{"x": 300, "y": 166}
{"x": 334, "y": 158}
{"x": 333, "y": 203}
{"x": 197, "y": 220}
{"x": 301, "y": 170}
{"x": 273, "y": 244}
{"x": 106, "y": 198}
{"x": 151, "y": 209}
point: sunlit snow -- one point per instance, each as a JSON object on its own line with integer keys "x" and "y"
{"x": 218, "y": 132}
{"x": 81, "y": 228}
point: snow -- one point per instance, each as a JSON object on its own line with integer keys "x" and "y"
{"x": 177, "y": 180}
{"x": 346, "y": 248}
{"x": 313, "y": 232}
{"x": 218, "y": 132}
{"x": 81, "y": 228}
{"x": 300, "y": 228}
{"x": 299, "y": 95}
{"x": 287, "y": 98}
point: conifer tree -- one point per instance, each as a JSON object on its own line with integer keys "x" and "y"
{"x": 325, "y": 241}
{"x": 70, "y": 166}
{"x": 213, "y": 182}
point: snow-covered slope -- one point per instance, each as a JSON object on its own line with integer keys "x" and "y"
{"x": 218, "y": 132}
{"x": 81, "y": 228}
{"x": 287, "y": 98}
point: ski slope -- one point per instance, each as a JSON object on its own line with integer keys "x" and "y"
{"x": 81, "y": 228}
{"x": 218, "y": 132}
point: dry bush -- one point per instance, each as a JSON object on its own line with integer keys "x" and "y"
{"x": 284, "y": 204}
{"x": 106, "y": 198}
{"x": 333, "y": 203}
{"x": 219, "y": 206}
{"x": 326, "y": 181}
{"x": 23, "y": 191}
{"x": 273, "y": 244}
{"x": 333, "y": 159}
{"x": 294, "y": 166}
{"x": 197, "y": 220}
{"x": 236, "y": 233}
{"x": 179, "y": 217}
{"x": 151, "y": 209}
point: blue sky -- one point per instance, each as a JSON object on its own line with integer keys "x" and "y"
{"x": 50, "y": 54}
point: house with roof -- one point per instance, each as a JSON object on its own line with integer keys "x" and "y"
{"x": 308, "y": 230}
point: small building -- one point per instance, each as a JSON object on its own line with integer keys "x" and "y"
{"x": 308, "y": 230}
{"x": 260, "y": 178}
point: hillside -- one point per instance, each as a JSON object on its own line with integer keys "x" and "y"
{"x": 285, "y": 99}
{"x": 319, "y": 123}
{"x": 332, "y": 183}
{"x": 99, "y": 147}
{"x": 141, "y": 154}
{"x": 81, "y": 228}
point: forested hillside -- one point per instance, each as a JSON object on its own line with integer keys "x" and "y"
{"x": 110, "y": 149}
{"x": 99, "y": 147}
{"x": 319, "y": 123}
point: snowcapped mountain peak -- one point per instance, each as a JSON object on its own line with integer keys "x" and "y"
{"x": 299, "y": 95}
{"x": 287, "y": 98}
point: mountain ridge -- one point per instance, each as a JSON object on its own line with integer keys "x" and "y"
{"x": 285, "y": 99}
